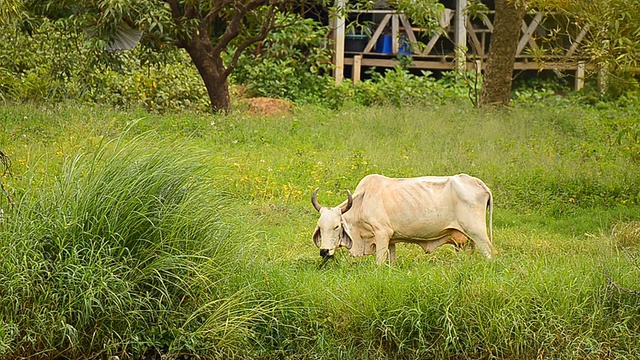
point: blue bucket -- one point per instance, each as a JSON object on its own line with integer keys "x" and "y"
{"x": 405, "y": 46}
{"x": 383, "y": 45}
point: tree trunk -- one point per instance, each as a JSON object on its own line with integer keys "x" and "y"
{"x": 496, "y": 88}
{"x": 212, "y": 71}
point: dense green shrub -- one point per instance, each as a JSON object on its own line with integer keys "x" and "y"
{"x": 399, "y": 87}
{"x": 293, "y": 63}
{"x": 56, "y": 61}
{"x": 171, "y": 84}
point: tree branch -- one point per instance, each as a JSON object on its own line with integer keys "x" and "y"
{"x": 233, "y": 27}
{"x": 266, "y": 29}
{"x": 178, "y": 19}
{"x": 175, "y": 11}
{"x": 214, "y": 12}
{"x": 267, "y": 26}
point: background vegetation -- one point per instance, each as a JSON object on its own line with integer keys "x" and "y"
{"x": 293, "y": 64}
{"x": 185, "y": 234}
{"x": 146, "y": 227}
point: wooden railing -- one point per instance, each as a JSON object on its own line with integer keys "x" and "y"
{"x": 429, "y": 54}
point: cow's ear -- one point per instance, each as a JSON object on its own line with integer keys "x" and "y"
{"x": 345, "y": 237}
{"x": 316, "y": 237}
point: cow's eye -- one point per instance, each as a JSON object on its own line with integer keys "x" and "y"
{"x": 336, "y": 228}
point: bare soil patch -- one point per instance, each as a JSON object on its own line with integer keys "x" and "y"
{"x": 264, "y": 106}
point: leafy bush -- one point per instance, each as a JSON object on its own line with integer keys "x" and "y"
{"x": 172, "y": 84}
{"x": 629, "y": 139}
{"x": 530, "y": 91}
{"x": 57, "y": 61}
{"x": 399, "y": 87}
{"x": 293, "y": 63}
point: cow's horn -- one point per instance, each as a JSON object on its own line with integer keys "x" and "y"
{"x": 314, "y": 199}
{"x": 349, "y": 203}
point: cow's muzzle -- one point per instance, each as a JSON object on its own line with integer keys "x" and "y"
{"x": 325, "y": 253}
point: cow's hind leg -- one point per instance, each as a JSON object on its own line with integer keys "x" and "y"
{"x": 482, "y": 243}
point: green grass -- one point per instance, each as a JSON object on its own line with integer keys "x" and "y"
{"x": 186, "y": 234}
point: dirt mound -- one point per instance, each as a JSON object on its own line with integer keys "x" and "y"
{"x": 267, "y": 106}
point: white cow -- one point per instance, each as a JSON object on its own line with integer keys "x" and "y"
{"x": 429, "y": 211}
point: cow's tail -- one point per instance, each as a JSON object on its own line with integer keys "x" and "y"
{"x": 490, "y": 207}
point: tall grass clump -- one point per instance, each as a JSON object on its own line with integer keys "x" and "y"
{"x": 130, "y": 251}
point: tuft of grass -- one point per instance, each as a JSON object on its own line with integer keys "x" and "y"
{"x": 627, "y": 234}
{"x": 125, "y": 250}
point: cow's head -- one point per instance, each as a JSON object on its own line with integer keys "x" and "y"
{"x": 331, "y": 232}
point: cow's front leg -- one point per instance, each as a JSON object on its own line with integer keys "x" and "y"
{"x": 383, "y": 250}
{"x": 392, "y": 252}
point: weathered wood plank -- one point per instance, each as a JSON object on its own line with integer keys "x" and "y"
{"x": 377, "y": 33}
{"x": 460, "y": 34}
{"x": 410, "y": 34}
{"x": 442, "y": 64}
{"x": 416, "y": 64}
{"x": 395, "y": 27}
{"x": 475, "y": 42}
{"x": 339, "y": 24}
{"x": 445, "y": 21}
{"x": 357, "y": 68}
{"x": 527, "y": 33}
{"x": 576, "y": 42}
{"x": 579, "y": 84}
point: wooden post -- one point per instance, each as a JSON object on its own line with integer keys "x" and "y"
{"x": 355, "y": 70}
{"x": 460, "y": 35}
{"x": 579, "y": 84}
{"x": 395, "y": 36}
{"x": 338, "y": 37}
{"x": 478, "y": 66}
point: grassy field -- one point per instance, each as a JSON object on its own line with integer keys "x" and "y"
{"x": 187, "y": 235}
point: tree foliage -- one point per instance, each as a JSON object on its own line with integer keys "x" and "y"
{"x": 613, "y": 29}
{"x": 426, "y": 13}
{"x": 608, "y": 35}
{"x": 214, "y": 33}
{"x": 10, "y": 10}
{"x": 292, "y": 63}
